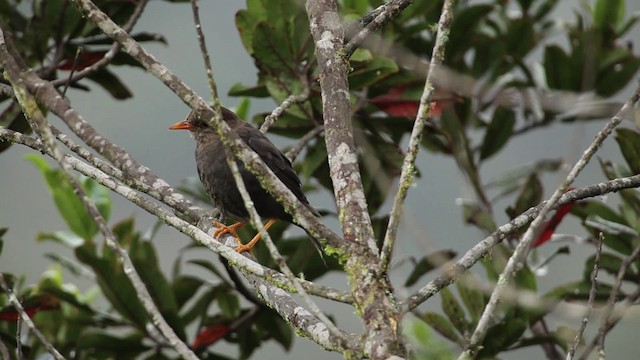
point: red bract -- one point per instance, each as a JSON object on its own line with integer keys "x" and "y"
{"x": 395, "y": 103}
{"x": 86, "y": 59}
{"x": 550, "y": 226}
{"x": 210, "y": 335}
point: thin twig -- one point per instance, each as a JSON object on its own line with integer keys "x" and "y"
{"x": 302, "y": 216}
{"x": 257, "y": 222}
{"x": 109, "y": 55}
{"x": 213, "y": 88}
{"x": 27, "y": 320}
{"x": 592, "y": 296}
{"x": 275, "y": 254}
{"x": 287, "y": 103}
{"x": 19, "y": 337}
{"x": 375, "y": 21}
{"x": 631, "y": 300}
{"x": 613, "y": 295}
{"x": 79, "y": 52}
{"x": 41, "y": 127}
{"x": 481, "y": 249}
{"x": 524, "y": 245}
{"x": 295, "y": 151}
{"x": 409, "y": 163}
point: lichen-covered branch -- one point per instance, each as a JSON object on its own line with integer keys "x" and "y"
{"x": 590, "y": 300}
{"x": 25, "y": 317}
{"x": 372, "y": 290}
{"x": 473, "y": 255}
{"x": 409, "y": 163}
{"x": 527, "y": 239}
{"x": 41, "y": 127}
{"x": 251, "y": 160}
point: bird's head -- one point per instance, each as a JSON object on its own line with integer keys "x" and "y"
{"x": 199, "y": 128}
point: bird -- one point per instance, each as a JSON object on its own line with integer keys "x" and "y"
{"x": 218, "y": 181}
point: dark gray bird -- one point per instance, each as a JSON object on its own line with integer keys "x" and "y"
{"x": 218, "y": 180}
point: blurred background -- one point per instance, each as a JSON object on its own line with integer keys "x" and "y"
{"x": 432, "y": 221}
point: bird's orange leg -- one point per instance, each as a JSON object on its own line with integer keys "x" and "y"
{"x": 254, "y": 241}
{"x": 227, "y": 229}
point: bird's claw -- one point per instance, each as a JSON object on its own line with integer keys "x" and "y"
{"x": 226, "y": 229}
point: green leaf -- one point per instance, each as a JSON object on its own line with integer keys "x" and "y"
{"x": 588, "y": 208}
{"x": 466, "y": 22}
{"x": 498, "y": 132}
{"x": 229, "y": 304}
{"x": 200, "y": 306}
{"x": 114, "y": 284}
{"x": 208, "y": 265}
{"x": 258, "y": 91}
{"x": 525, "y": 5}
{"x": 478, "y": 216}
{"x": 499, "y": 337}
{"x": 271, "y": 49}
{"x": 440, "y": 324}
{"x": 558, "y": 68}
{"x": 361, "y": 55}
{"x": 544, "y": 9}
{"x": 144, "y": 258}
{"x": 371, "y": 72}
{"x": 580, "y": 291}
{"x": 63, "y": 237}
{"x": 316, "y": 157}
{"x": 530, "y": 196}
{"x": 520, "y": 37}
{"x": 276, "y": 327}
{"x": 280, "y": 88}
{"x": 526, "y": 279}
{"x": 108, "y": 344}
{"x": 615, "y": 78}
{"x": 608, "y": 13}
{"x": 454, "y": 311}
{"x": 610, "y": 227}
{"x": 246, "y": 22}
{"x": 185, "y": 287}
{"x": 609, "y": 263}
{"x": 471, "y": 295}
{"x": 69, "y": 205}
{"x": 71, "y": 265}
{"x": 629, "y": 143}
{"x": 111, "y": 83}
{"x": 428, "y": 263}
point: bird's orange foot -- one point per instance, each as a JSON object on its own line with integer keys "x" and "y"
{"x": 227, "y": 229}
{"x": 249, "y": 246}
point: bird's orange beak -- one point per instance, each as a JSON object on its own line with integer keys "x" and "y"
{"x": 182, "y": 125}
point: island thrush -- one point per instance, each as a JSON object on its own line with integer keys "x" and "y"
{"x": 219, "y": 183}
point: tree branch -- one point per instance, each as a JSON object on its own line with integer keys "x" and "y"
{"x": 252, "y": 161}
{"x": 41, "y": 127}
{"x": 592, "y": 296}
{"x": 376, "y": 19}
{"x": 613, "y": 295}
{"x": 372, "y": 290}
{"x": 109, "y": 55}
{"x": 27, "y": 320}
{"x": 527, "y": 239}
{"x": 408, "y": 165}
{"x": 482, "y": 248}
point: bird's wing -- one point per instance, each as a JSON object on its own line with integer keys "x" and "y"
{"x": 273, "y": 158}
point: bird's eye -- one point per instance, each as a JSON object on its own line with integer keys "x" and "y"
{"x": 199, "y": 123}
